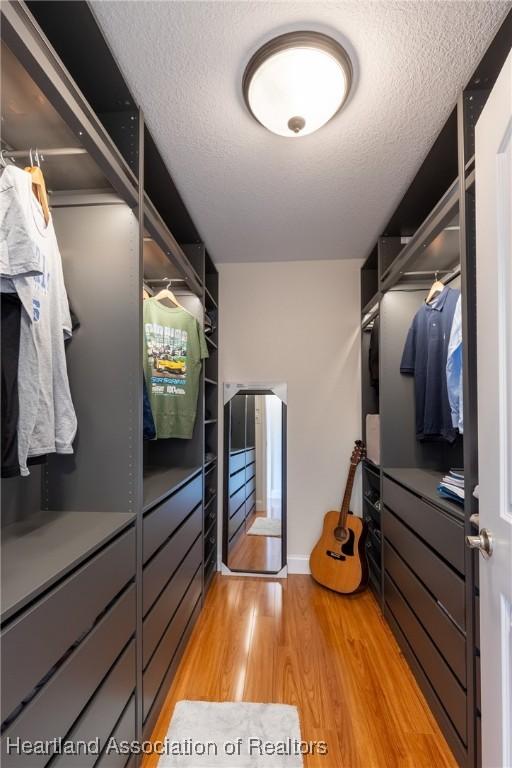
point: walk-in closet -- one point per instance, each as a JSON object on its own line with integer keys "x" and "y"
{"x": 254, "y": 508}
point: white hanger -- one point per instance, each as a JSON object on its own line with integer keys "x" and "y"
{"x": 437, "y": 287}
{"x": 166, "y": 293}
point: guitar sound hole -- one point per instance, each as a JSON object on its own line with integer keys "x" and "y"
{"x": 341, "y": 534}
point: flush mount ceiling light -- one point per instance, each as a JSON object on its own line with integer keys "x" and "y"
{"x": 297, "y": 82}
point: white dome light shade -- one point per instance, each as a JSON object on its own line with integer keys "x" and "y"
{"x": 296, "y": 83}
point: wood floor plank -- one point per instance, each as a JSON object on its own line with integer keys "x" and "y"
{"x": 291, "y": 641}
{"x": 256, "y": 553}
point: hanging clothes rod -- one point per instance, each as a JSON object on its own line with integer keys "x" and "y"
{"x": 427, "y": 272}
{"x": 55, "y": 152}
{"x": 171, "y": 280}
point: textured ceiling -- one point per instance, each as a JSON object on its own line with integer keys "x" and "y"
{"x": 255, "y": 196}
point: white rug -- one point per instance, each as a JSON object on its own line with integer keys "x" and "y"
{"x": 265, "y": 526}
{"x": 207, "y": 734}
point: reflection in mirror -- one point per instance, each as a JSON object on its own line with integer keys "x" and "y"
{"x": 254, "y": 463}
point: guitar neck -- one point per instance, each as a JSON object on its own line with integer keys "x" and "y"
{"x": 347, "y": 496}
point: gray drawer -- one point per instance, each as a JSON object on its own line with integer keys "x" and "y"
{"x": 250, "y": 504}
{"x": 124, "y": 731}
{"x": 58, "y": 704}
{"x": 251, "y": 501}
{"x": 250, "y": 487}
{"x": 236, "y": 501}
{"x": 103, "y": 711}
{"x": 236, "y": 481}
{"x": 250, "y": 471}
{"x": 447, "y": 637}
{"x": 236, "y": 521}
{"x": 158, "y": 701}
{"x": 450, "y": 693}
{"x": 445, "y": 584}
{"x": 250, "y": 456}
{"x": 163, "y": 610}
{"x": 34, "y": 642}
{"x": 442, "y": 532}
{"x": 162, "y": 658}
{"x": 158, "y": 572}
{"x": 236, "y": 462}
{"x": 161, "y": 522}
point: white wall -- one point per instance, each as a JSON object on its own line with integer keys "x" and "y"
{"x": 298, "y": 322}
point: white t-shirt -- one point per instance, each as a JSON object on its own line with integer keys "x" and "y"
{"x": 30, "y": 259}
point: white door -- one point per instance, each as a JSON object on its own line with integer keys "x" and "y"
{"x": 493, "y": 163}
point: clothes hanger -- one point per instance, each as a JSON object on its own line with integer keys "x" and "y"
{"x": 166, "y": 293}
{"x": 38, "y": 184}
{"x": 437, "y": 287}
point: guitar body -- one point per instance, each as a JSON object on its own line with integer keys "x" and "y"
{"x": 341, "y": 566}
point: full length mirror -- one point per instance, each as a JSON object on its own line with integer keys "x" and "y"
{"x": 254, "y": 480}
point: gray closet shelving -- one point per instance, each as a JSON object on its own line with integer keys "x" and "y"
{"x": 106, "y": 554}
{"x": 424, "y": 577}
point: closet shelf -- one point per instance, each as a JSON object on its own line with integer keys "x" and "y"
{"x": 41, "y": 550}
{"x": 424, "y": 482}
{"x": 209, "y": 296}
{"x": 209, "y": 569}
{"x": 416, "y": 255}
{"x": 372, "y": 306}
{"x": 370, "y": 504}
{"x": 209, "y": 464}
{"x": 160, "y": 232}
{"x": 160, "y": 482}
{"x": 207, "y": 503}
{"x": 470, "y": 163}
{"x": 371, "y": 467}
{"x": 210, "y": 528}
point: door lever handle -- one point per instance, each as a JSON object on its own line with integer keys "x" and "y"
{"x": 483, "y": 542}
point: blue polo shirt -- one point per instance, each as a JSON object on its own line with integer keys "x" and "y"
{"x": 424, "y": 356}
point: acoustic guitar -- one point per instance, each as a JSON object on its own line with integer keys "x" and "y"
{"x": 339, "y": 559}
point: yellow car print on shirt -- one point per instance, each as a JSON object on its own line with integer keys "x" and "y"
{"x": 170, "y": 366}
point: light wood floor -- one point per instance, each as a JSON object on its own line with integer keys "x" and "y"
{"x": 294, "y": 642}
{"x": 256, "y": 553}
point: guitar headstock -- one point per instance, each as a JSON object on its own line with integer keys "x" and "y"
{"x": 359, "y": 453}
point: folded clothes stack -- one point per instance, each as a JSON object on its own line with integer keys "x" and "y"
{"x": 451, "y": 486}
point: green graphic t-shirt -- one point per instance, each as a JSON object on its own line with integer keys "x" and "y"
{"x": 174, "y": 345}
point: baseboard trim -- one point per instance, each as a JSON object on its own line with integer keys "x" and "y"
{"x": 298, "y": 564}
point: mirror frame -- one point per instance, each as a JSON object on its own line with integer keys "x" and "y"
{"x": 263, "y": 389}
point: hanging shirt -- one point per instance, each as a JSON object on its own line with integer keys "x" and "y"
{"x": 454, "y": 370}
{"x": 149, "y": 431}
{"x": 425, "y": 356}
{"x": 373, "y": 354}
{"x": 10, "y": 332}
{"x": 47, "y": 421}
{"x": 174, "y": 346}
